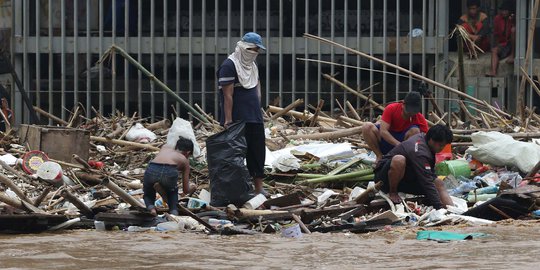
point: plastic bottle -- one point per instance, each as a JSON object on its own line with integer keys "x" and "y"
{"x": 218, "y": 222}
{"x": 463, "y": 188}
{"x": 485, "y": 190}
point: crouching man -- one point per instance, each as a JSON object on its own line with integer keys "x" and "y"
{"x": 410, "y": 167}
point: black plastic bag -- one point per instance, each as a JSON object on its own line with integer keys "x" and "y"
{"x": 229, "y": 177}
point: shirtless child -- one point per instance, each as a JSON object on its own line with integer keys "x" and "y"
{"x": 164, "y": 169}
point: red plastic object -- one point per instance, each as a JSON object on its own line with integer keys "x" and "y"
{"x": 96, "y": 164}
{"x": 32, "y": 160}
{"x": 445, "y": 154}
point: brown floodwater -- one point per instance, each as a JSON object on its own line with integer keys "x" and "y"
{"x": 513, "y": 245}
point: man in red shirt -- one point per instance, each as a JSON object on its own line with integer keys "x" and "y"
{"x": 475, "y": 22}
{"x": 504, "y": 30}
{"x": 399, "y": 121}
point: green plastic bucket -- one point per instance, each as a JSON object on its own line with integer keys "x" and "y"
{"x": 458, "y": 167}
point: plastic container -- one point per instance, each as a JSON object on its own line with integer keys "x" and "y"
{"x": 291, "y": 231}
{"x": 463, "y": 188}
{"x": 196, "y": 203}
{"x": 255, "y": 202}
{"x": 480, "y": 198}
{"x": 458, "y": 167}
{"x": 169, "y": 226}
{"x": 99, "y": 225}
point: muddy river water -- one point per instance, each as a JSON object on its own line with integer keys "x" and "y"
{"x": 509, "y": 245}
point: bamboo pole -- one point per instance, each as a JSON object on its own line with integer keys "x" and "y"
{"x": 124, "y": 143}
{"x": 114, "y": 48}
{"x": 122, "y": 194}
{"x": 302, "y": 225}
{"x": 353, "y": 110}
{"x": 413, "y": 74}
{"x": 358, "y": 94}
{"x": 50, "y": 116}
{"x": 328, "y": 135}
{"x": 289, "y": 107}
{"x": 528, "y": 53}
{"x": 339, "y": 177}
{"x": 526, "y": 76}
{"x": 83, "y": 208}
{"x": 300, "y": 115}
{"x": 351, "y": 121}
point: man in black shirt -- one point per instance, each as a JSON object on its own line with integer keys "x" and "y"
{"x": 410, "y": 167}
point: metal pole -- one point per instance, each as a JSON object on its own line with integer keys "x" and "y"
{"x": 306, "y": 55}
{"x": 190, "y": 55}
{"x": 177, "y": 52}
{"x": 203, "y": 56}
{"x": 101, "y": 20}
{"x": 126, "y": 64}
{"x": 75, "y": 52}
{"x": 51, "y": 59}
{"x": 398, "y": 46}
{"x": 293, "y": 46}
{"x": 152, "y": 59}
{"x": 88, "y": 60}
{"x": 267, "y": 54}
{"x": 280, "y": 51}
{"x": 139, "y": 56}
{"x": 113, "y": 60}
{"x": 38, "y": 54}
{"x": 165, "y": 58}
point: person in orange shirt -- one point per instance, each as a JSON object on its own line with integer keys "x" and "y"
{"x": 476, "y": 24}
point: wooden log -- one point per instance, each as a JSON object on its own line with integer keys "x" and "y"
{"x": 90, "y": 179}
{"x": 163, "y": 124}
{"x": 116, "y": 132}
{"x": 534, "y": 170}
{"x": 6, "y": 181}
{"x": 42, "y": 196}
{"x": 328, "y": 135}
{"x": 404, "y": 70}
{"x": 83, "y": 208}
{"x": 316, "y": 114}
{"x": 498, "y": 211}
{"x": 289, "y": 107}
{"x": 124, "y": 143}
{"x": 50, "y": 116}
{"x": 122, "y": 194}
{"x": 358, "y": 94}
{"x": 528, "y": 53}
{"x": 365, "y": 196}
{"x": 82, "y": 162}
{"x": 10, "y": 201}
{"x": 302, "y": 225}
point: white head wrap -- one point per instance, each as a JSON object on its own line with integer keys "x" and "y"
{"x": 244, "y": 62}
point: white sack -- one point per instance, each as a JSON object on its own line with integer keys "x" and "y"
{"x": 499, "y": 149}
{"x": 182, "y": 128}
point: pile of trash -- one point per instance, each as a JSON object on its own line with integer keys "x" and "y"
{"x": 319, "y": 179}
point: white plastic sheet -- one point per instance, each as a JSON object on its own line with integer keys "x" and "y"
{"x": 326, "y": 152}
{"x": 138, "y": 133}
{"x": 500, "y": 149}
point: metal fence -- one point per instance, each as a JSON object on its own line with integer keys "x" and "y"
{"x": 56, "y": 44}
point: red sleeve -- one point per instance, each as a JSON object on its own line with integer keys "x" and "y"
{"x": 421, "y": 123}
{"x": 388, "y": 113}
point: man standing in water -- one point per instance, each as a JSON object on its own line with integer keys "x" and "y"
{"x": 240, "y": 100}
